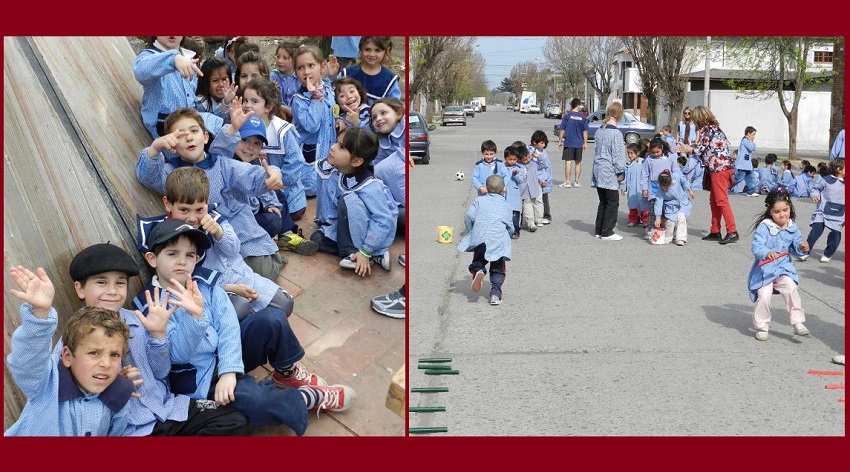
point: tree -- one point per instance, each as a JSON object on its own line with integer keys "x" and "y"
{"x": 778, "y": 66}
{"x": 836, "y": 120}
{"x": 438, "y": 65}
{"x": 583, "y": 61}
{"x": 506, "y": 86}
{"x": 658, "y": 60}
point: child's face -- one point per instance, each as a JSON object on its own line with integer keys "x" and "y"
{"x": 751, "y": 135}
{"x": 170, "y": 42}
{"x": 249, "y": 148}
{"x": 384, "y": 118}
{"x": 510, "y": 159}
{"x": 342, "y": 159}
{"x": 219, "y": 79}
{"x": 371, "y": 55}
{"x": 190, "y": 147}
{"x": 664, "y": 132}
{"x": 780, "y": 213}
{"x": 656, "y": 151}
{"x": 526, "y": 159}
{"x": 488, "y": 156}
{"x": 540, "y": 146}
{"x": 191, "y": 213}
{"x": 632, "y": 155}
{"x": 96, "y": 360}
{"x": 308, "y": 69}
{"x": 283, "y": 61}
{"x": 348, "y": 97}
{"x": 105, "y": 290}
{"x": 176, "y": 261}
{"x": 252, "y": 101}
{"x": 248, "y": 72}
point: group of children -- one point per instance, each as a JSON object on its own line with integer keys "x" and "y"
{"x": 212, "y": 310}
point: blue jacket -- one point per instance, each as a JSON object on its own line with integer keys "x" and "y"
{"x": 489, "y": 220}
{"x": 767, "y": 177}
{"x": 372, "y": 212}
{"x": 769, "y": 237}
{"x": 801, "y": 186}
{"x": 55, "y": 404}
{"x": 530, "y": 186}
{"x": 288, "y": 85}
{"x": 391, "y": 143}
{"x": 745, "y": 154}
{"x": 512, "y": 187}
{"x": 631, "y": 184}
{"x": 837, "y": 149}
{"x": 392, "y": 171}
{"x": 482, "y": 170}
{"x": 693, "y": 173}
{"x": 652, "y": 168}
{"x": 327, "y": 178}
{"x": 609, "y": 158}
{"x": 544, "y": 167}
{"x": 830, "y": 209}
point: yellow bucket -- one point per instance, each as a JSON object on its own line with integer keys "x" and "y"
{"x": 444, "y": 234}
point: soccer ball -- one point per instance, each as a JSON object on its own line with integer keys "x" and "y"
{"x": 459, "y": 176}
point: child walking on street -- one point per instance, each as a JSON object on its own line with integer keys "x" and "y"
{"x": 829, "y": 196}
{"x": 539, "y": 141}
{"x": 776, "y": 238}
{"x": 530, "y": 190}
{"x": 488, "y": 227}
{"x": 512, "y": 187}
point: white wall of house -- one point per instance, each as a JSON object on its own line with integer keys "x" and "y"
{"x": 735, "y": 112}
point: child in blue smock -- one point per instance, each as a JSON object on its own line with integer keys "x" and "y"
{"x": 630, "y": 187}
{"x": 488, "y": 165}
{"x": 489, "y": 224}
{"x": 775, "y": 240}
{"x": 512, "y": 187}
{"x": 802, "y": 184}
{"x": 672, "y": 208}
{"x": 768, "y": 173}
{"x": 530, "y": 190}
{"x": 537, "y": 149}
{"x": 786, "y": 178}
{"x": 283, "y": 73}
{"x": 692, "y": 169}
{"x": 362, "y": 223}
{"x": 744, "y": 170}
{"x": 389, "y": 124}
{"x": 73, "y": 388}
{"x": 351, "y": 102}
{"x": 828, "y": 194}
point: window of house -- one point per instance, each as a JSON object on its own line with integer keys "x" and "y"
{"x": 823, "y": 57}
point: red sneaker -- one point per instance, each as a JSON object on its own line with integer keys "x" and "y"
{"x": 335, "y": 398}
{"x": 301, "y": 378}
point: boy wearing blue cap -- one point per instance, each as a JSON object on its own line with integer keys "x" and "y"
{"x": 211, "y": 350}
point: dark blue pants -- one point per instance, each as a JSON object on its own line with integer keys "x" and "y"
{"x": 832, "y": 240}
{"x": 606, "y": 212}
{"x": 497, "y": 269}
{"x": 343, "y": 246}
{"x": 517, "y": 215}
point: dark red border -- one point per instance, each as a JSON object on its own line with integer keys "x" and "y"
{"x": 426, "y": 18}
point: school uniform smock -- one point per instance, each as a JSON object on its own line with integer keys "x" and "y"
{"x": 745, "y": 154}
{"x": 488, "y": 220}
{"x": 372, "y": 212}
{"x": 767, "y": 177}
{"x": 364, "y": 114}
{"x": 482, "y": 170}
{"x": 392, "y": 142}
{"x": 391, "y": 171}
{"x": 544, "y": 168}
{"x": 610, "y": 158}
{"x": 314, "y": 121}
{"x": 512, "y": 187}
{"x": 530, "y": 187}
{"x": 830, "y": 209}
{"x": 213, "y": 106}
{"x": 55, "y": 404}
{"x": 284, "y": 151}
{"x": 631, "y": 184}
{"x": 801, "y": 186}
{"x": 768, "y": 237}
{"x": 837, "y": 149}
{"x": 163, "y": 90}
{"x": 326, "y": 191}
{"x": 232, "y": 183}
{"x": 672, "y": 201}
{"x": 652, "y": 168}
{"x": 382, "y": 84}
{"x": 212, "y": 344}
{"x": 787, "y": 178}
{"x": 288, "y": 85}
{"x": 153, "y": 359}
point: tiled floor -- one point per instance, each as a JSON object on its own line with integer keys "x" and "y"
{"x": 346, "y": 341}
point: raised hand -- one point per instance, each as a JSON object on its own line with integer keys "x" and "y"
{"x": 189, "y": 298}
{"x": 238, "y": 116}
{"x": 230, "y": 94}
{"x": 316, "y": 90}
{"x": 333, "y": 66}
{"x": 169, "y": 141}
{"x": 187, "y": 67}
{"x": 274, "y": 181}
{"x": 158, "y": 313}
{"x": 211, "y": 226}
{"x": 35, "y": 289}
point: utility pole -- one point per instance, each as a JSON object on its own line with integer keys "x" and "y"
{"x": 707, "y": 71}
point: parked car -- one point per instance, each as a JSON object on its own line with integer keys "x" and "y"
{"x": 534, "y": 109}
{"x": 469, "y": 110}
{"x": 632, "y": 128}
{"x": 418, "y": 140}
{"x": 454, "y": 114}
{"x": 510, "y": 108}
{"x": 553, "y": 111}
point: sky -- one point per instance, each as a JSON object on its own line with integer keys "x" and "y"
{"x": 501, "y": 53}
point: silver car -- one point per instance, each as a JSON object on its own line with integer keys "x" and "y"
{"x": 632, "y": 128}
{"x": 454, "y": 114}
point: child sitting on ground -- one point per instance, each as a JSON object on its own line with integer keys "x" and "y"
{"x": 362, "y": 223}
{"x": 768, "y": 173}
{"x": 802, "y": 185}
{"x": 489, "y": 224}
{"x": 74, "y": 389}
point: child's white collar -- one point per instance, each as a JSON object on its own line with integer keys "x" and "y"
{"x": 774, "y": 228}
{"x": 183, "y": 51}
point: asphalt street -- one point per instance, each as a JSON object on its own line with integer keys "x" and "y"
{"x": 609, "y": 338}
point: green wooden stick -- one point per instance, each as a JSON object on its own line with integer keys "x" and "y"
{"x": 426, "y": 409}
{"x": 436, "y": 429}
{"x": 435, "y": 367}
{"x": 442, "y": 372}
{"x": 429, "y": 389}
{"x": 436, "y": 359}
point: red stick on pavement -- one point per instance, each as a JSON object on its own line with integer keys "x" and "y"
{"x": 766, "y": 261}
{"x": 824, "y": 372}
{"x": 835, "y": 387}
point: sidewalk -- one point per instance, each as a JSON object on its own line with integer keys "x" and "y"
{"x": 345, "y": 340}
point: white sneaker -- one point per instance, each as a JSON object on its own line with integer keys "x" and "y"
{"x": 598, "y": 236}
{"x": 680, "y": 243}
{"x": 753, "y": 195}
{"x": 565, "y": 185}
{"x": 824, "y": 259}
{"x": 494, "y": 300}
{"x": 761, "y": 335}
{"x": 532, "y": 228}
{"x": 348, "y": 263}
{"x": 838, "y": 359}
{"x": 545, "y": 221}
{"x": 477, "y": 280}
{"x": 576, "y": 184}
{"x": 613, "y": 237}
{"x": 383, "y": 260}
{"x": 801, "y": 330}
{"x": 803, "y": 258}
